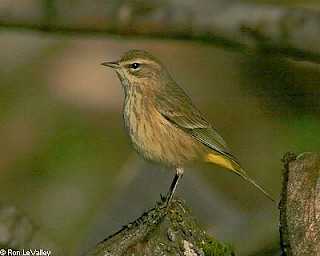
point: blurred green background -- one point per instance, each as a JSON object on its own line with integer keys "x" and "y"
{"x": 64, "y": 156}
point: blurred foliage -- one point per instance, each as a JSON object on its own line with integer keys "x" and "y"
{"x": 283, "y": 2}
{"x": 287, "y": 90}
{"x": 51, "y": 150}
{"x": 303, "y": 133}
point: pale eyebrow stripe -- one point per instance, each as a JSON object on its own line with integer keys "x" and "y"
{"x": 141, "y": 61}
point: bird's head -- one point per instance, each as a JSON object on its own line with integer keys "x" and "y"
{"x": 139, "y": 69}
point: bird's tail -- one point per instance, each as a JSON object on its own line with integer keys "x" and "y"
{"x": 231, "y": 164}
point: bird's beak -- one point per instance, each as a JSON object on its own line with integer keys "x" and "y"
{"x": 111, "y": 64}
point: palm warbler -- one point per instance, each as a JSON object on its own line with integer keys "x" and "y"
{"x": 162, "y": 122}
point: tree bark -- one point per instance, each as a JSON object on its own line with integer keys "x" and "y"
{"x": 300, "y": 205}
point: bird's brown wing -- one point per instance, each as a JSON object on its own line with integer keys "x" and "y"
{"x": 182, "y": 113}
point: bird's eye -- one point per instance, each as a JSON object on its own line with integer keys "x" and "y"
{"x": 135, "y": 65}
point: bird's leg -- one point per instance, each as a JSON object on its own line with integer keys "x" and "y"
{"x": 174, "y": 184}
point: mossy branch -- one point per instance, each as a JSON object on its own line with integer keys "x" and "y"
{"x": 162, "y": 231}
